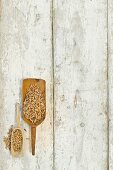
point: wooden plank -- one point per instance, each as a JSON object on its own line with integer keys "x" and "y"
{"x": 110, "y": 82}
{"x": 80, "y": 52}
{"x": 25, "y": 51}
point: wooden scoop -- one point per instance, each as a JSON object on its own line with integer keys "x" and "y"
{"x": 17, "y": 136}
{"x": 34, "y": 105}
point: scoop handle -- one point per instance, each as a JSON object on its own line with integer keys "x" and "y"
{"x": 33, "y": 139}
{"x": 18, "y": 114}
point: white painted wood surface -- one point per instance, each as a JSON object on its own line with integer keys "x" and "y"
{"x": 80, "y": 81}
{"x": 25, "y": 51}
{"x": 80, "y": 54}
{"x": 110, "y": 80}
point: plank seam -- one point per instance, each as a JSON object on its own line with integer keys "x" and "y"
{"x": 52, "y": 27}
{"x": 108, "y": 84}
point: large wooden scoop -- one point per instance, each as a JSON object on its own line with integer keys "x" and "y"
{"x": 34, "y": 105}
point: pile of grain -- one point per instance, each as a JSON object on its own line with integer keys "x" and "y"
{"x": 34, "y": 107}
{"x": 7, "y": 139}
{"x": 17, "y": 140}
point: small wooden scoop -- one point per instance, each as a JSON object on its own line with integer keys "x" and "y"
{"x": 34, "y": 105}
{"x": 17, "y": 136}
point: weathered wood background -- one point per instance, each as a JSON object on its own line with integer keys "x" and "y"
{"x": 69, "y": 44}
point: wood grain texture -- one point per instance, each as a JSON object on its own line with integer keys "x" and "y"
{"x": 25, "y": 51}
{"x": 80, "y": 53}
{"x": 110, "y": 80}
